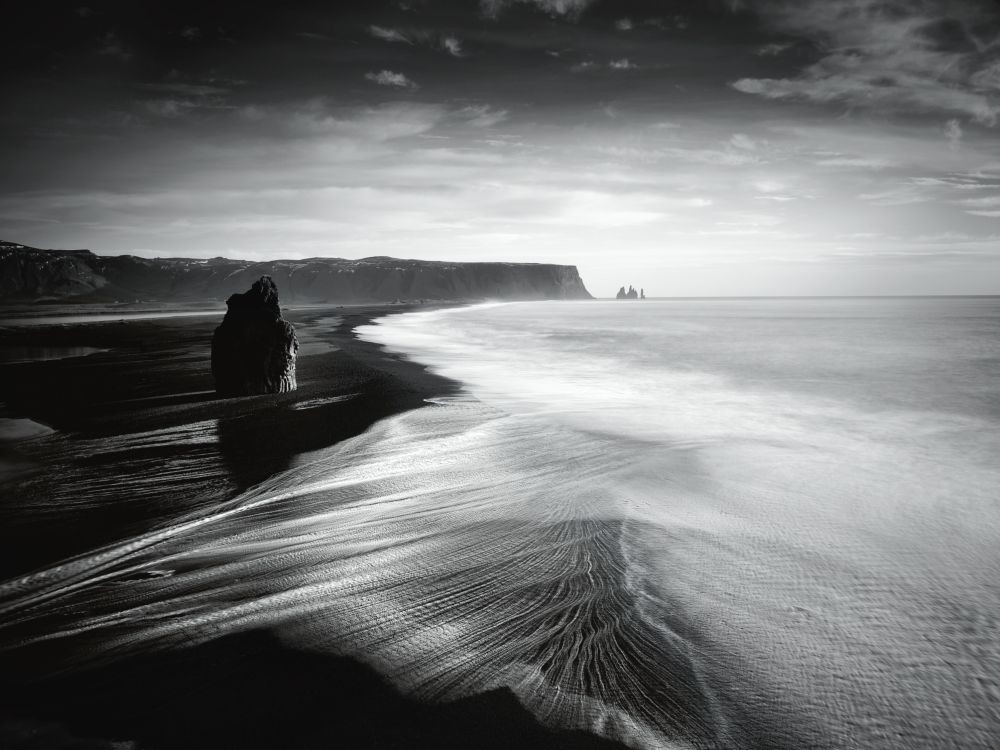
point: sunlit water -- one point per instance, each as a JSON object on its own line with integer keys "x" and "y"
{"x": 711, "y": 523}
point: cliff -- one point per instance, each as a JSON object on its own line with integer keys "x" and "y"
{"x": 28, "y": 274}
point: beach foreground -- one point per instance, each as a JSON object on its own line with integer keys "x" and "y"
{"x": 131, "y": 439}
{"x": 688, "y": 523}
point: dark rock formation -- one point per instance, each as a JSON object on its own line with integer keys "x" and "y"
{"x": 642, "y": 293}
{"x": 630, "y": 294}
{"x": 253, "y": 350}
{"x": 29, "y": 275}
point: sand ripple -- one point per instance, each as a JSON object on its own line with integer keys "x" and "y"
{"x": 424, "y": 549}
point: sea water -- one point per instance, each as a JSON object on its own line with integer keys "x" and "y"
{"x": 812, "y": 484}
{"x": 689, "y": 523}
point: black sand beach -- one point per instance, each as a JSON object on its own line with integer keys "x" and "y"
{"x": 149, "y": 383}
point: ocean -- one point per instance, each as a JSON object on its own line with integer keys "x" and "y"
{"x": 804, "y": 492}
{"x": 716, "y": 523}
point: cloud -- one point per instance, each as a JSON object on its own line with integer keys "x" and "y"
{"x": 388, "y": 35}
{"x": 112, "y": 46}
{"x": 321, "y": 118}
{"x": 622, "y": 64}
{"x": 953, "y": 133}
{"x": 987, "y": 206}
{"x": 391, "y": 78}
{"x": 482, "y": 115}
{"x": 623, "y": 24}
{"x": 902, "y": 195}
{"x": 774, "y": 49}
{"x": 449, "y": 43}
{"x": 191, "y": 33}
{"x": 894, "y": 55}
{"x": 570, "y": 8}
{"x": 862, "y": 162}
{"x": 186, "y": 89}
{"x": 988, "y": 78}
{"x": 184, "y": 98}
{"x": 452, "y": 45}
{"x": 744, "y": 142}
{"x": 168, "y": 108}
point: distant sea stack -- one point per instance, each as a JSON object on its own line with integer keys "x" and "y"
{"x": 253, "y": 350}
{"x": 28, "y": 274}
{"x": 631, "y": 293}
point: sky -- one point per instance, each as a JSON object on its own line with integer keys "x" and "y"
{"x": 745, "y": 147}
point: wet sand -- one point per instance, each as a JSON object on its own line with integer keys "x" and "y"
{"x": 140, "y": 439}
{"x": 146, "y": 409}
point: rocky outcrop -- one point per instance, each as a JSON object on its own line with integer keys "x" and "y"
{"x": 31, "y": 275}
{"x": 253, "y": 350}
{"x": 630, "y": 294}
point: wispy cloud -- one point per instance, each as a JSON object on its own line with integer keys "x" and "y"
{"x": 901, "y": 195}
{"x": 320, "y": 117}
{"x": 187, "y": 89}
{"x": 482, "y": 115}
{"x": 112, "y": 46}
{"x": 391, "y": 78}
{"x": 988, "y": 206}
{"x": 856, "y": 162}
{"x": 774, "y": 49}
{"x": 622, "y": 63}
{"x": 902, "y": 55}
{"x": 571, "y": 8}
{"x": 388, "y": 35}
{"x": 452, "y": 45}
{"x": 446, "y": 42}
{"x": 586, "y": 66}
{"x": 953, "y": 133}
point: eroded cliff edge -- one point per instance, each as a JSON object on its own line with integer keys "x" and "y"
{"x": 28, "y": 274}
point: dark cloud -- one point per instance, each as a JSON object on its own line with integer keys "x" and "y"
{"x": 924, "y": 56}
{"x": 571, "y": 8}
{"x": 693, "y": 134}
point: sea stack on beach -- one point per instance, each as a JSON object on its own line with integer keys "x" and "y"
{"x": 253, "y": 350}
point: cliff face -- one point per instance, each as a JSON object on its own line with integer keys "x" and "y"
{"x": 29, "y": 274}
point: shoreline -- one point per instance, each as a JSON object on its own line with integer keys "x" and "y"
{"x": 247, "y": 690}
{"x": 121, "y": 405}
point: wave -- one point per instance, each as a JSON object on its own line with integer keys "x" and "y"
{"x": 658, "y": 554}
{"x": 433, "y": 550}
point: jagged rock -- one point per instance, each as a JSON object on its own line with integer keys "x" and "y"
{"x": 630, "y": 294}
{"x": 254, "y": 348}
